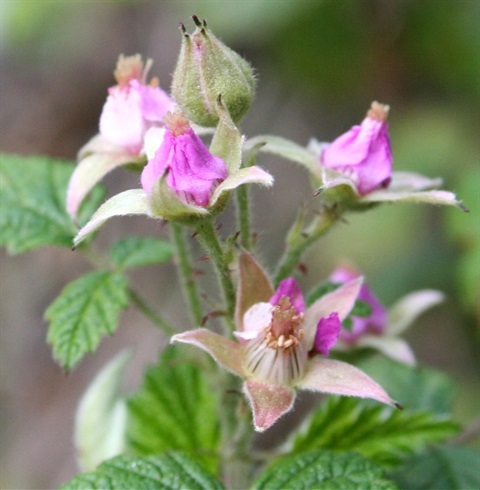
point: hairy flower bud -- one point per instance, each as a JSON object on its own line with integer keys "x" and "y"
{"x": 206, "y": 68}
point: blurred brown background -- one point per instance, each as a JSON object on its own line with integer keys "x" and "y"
{"x": 319, "y": 65}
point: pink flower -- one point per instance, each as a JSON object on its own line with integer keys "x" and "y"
{"x": 132, "y": 106}
{"x": 381, "y": 329}
{"x": 191, "y": 170}
{"x": 277, "y": 342}
{"x": 363, "y": 153}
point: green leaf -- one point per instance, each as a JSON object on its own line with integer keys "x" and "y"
{"x": 86, "y": 310}
{"x": 172, "y": 471}
{"x": 416, "y": 388}
{"x": 448, "y": 468}
{"x": 382, "y": 434}
{"x": 140, "y": 251}
{"x": 175, "y": 409}
{"x": 33, "y": 212}
{"x": 323, "y": 470}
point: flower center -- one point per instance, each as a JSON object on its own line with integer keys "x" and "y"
{"x": 176, "y": 123}
{"x": 278, "y": 355}
{"x": 284, "y": 331}
{"x": 128, "y": 68}
{"x": 378, "y": 112}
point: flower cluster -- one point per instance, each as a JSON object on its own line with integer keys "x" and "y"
{"x": 280, "y": 343}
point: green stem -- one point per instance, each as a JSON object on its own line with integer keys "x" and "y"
{"x": 208, "y": 238}
{"x": 186, "y": 272}
{"x": 294, "y": 251}
{"x": 243, "y": 216}
{"x": 152, "y": 315}
{"x": 237, "y": 435}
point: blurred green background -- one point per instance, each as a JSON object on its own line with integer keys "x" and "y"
{"x": 319, "y": 66}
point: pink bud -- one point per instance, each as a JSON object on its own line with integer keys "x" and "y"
{"x": 363, "y": 153}
{"x": 132, "y": 107}
{"x": 192, "y": 171}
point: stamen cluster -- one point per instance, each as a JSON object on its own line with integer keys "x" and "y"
{"x": 284, "y": 331}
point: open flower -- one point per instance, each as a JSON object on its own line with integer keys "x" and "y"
{"x": 381, "y": 329}
{"x": 183, "y": 180}
{"x": 278, "y": 343}
{"x": 131, "y": 108}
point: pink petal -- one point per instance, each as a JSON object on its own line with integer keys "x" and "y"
{"x": 224, "y": 351}
{"x": 121, "y": 121}
{"x": 254, "y": 286}
{"x": 155, "y": 103}
{"x": 290, "y": 288}
{"x": 255, "y": 319}
{"x": 341, "y": 301}
{"x": 268, "y": 402}
{"x": 375, "y": 322}
{"x": 328, "y": 330}
{"x": 340, "y": 378}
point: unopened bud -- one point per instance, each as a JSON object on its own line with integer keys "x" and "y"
{"x": 206, "y": 68}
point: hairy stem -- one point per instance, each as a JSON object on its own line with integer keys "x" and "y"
{"x": 186, "y": 272}
{"x": 243, "y": 217}
{"x": 297, "y": 248}
{"x": 208, "y": 238}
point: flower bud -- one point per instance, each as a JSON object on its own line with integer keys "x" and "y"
{"x": 206, "y": 68}
{"x": 192, "y": 172}
{"x": 363, "y": 153}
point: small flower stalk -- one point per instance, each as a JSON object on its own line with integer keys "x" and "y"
{"x": 206, "y": 69}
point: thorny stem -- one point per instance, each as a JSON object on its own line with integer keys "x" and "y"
{"x": 186, "y": 272}
{"x": 243, "y": 217}
{"x": 236, "y": 435}
{"x": 294, "y": 252}
{"x": 208, "y": 238}
{"x": 243, "y": 211}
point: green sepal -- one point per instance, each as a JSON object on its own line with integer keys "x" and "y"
{"x": 227, "y": 140}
